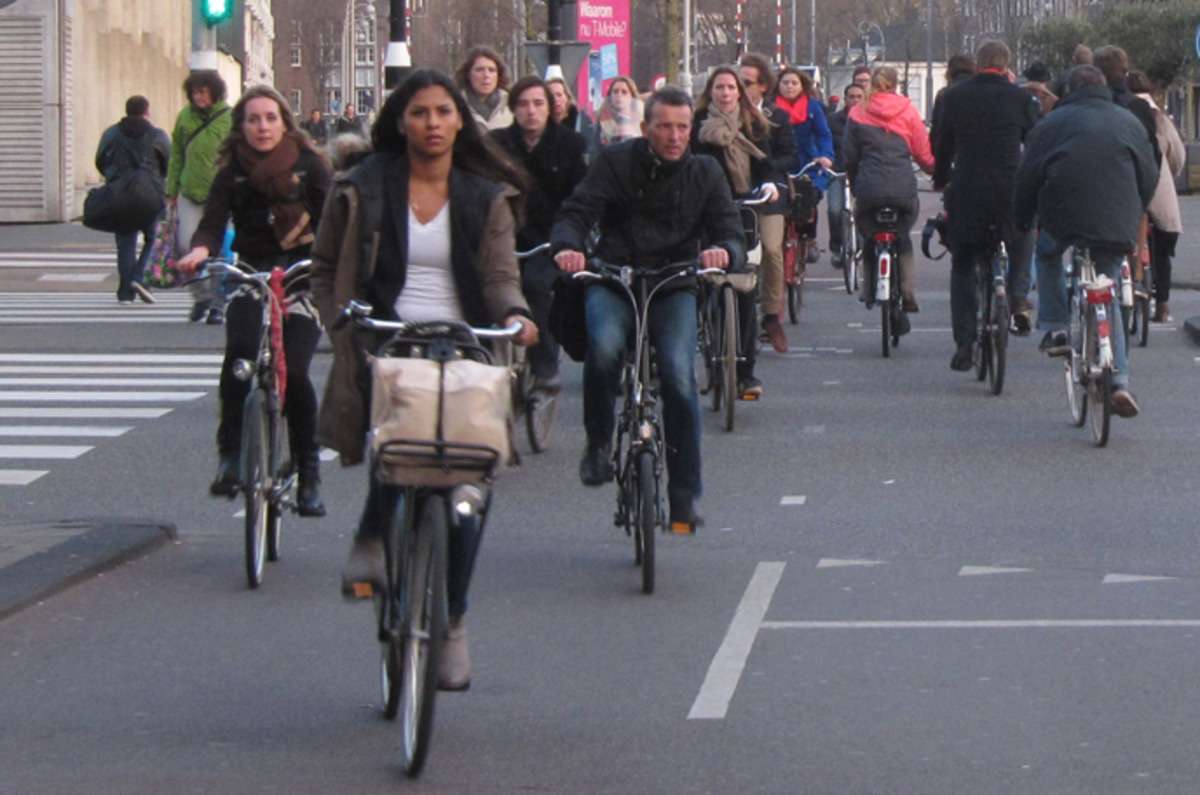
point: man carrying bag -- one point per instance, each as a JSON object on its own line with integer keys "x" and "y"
{"x": 132, "y": 156}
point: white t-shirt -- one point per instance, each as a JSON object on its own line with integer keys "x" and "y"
{"x": 429, "y": 290}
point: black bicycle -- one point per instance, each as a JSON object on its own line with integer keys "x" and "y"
{"x": 537, "y": 405}
{"x": 992, "y": 317}
{"x": 411, "y": 611}
{"x": 267, "y": 481}
{"x": 638, "y": 458}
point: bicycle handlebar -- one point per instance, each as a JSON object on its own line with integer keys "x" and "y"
{"x": 758, "y": 197}
{"x": 625, "y": 274}
{"x": 533, "y": 251}
{"x": 813, "y": 164}
{"x": 359, "y": 312}
{"x": 215, "y": 266}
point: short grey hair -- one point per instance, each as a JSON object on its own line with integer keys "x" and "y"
{"x": 668, "y": 95}
{"x": 1083, "y": 76}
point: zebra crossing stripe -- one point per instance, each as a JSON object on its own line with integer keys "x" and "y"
{"x": 89, "y": 413}
{"x": 115, "y": 358}
{"x": 63, "y": 430}
{"x": 20, "y": 477}
{"x": 71, "y": 369}
{"x": 38, "y": 381}
{"x": 100, "y": 397}
{"x": 38, "y": 451}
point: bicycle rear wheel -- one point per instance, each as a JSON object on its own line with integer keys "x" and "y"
{"x": 849, "y": 254}
{"x": 274, "y": 508}
{"x": 647, "y": 517}
{"x": 540, "y": 409}
{"x": 885, "y": 324}
{"x": 256, "y": 466}
{"x": 388, "y": 607}
{"x": 998, "y": 358}
{"x": 1099, "y": 388}
{"x": 424, "y": 631}
{"x": 1142, "y": 304}
{"x": 729, "y": 352}
{"x": 712, "y": 350}
{"x": 983, "y": 339}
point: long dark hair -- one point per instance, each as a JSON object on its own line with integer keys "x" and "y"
{"x": 753, "y": 123}
{"x": 236, "y": 136}
{"x": 473, "y": 151}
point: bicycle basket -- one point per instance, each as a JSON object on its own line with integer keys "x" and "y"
{"x": 439, "y": 424}
{"x": 802, "y": 205}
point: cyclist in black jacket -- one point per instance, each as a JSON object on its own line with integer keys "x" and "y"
{"x": 655, "y": 203}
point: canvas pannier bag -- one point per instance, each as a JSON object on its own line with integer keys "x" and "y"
{"x": 475, "y": 402}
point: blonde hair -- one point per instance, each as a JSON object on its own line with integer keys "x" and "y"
{"x": 884, "y": 78}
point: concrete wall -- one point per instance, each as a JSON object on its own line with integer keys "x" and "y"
{"x": 126, "y": 47}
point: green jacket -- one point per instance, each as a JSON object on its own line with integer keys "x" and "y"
{"x": 191, "y": 173}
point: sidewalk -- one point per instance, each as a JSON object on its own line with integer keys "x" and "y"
{"x": 53, "y": 237}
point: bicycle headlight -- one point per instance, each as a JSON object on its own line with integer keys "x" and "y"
{"x": 467, "y": 501}
{"x": 243, "y": 369}
{"x": 646, "y": 431}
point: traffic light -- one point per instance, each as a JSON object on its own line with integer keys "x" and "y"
{"x": 216, "y": 12}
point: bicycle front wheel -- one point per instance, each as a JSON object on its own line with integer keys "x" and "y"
{"x": 1099, "y": 388}
{"x": 983, "y": 337}
{"x": 999, "y": 342}
{"x": 729, "y": 352}
{"x": 647, "y": 517}
{"x": 256, "y": 467}
{"x": 540, "y": 410}
{"x": 885, "y": 325}
{"x": 424, "y": 632}
{"x": 1142, "y": 303}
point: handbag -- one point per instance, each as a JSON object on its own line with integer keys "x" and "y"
{"x": 439, "y": 424}
{"x": 133, "y": 200}
{"x": 161, "y": 272}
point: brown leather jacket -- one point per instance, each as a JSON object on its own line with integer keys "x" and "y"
{"x": 345, "y": 264}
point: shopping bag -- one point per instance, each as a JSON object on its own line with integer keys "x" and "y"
{"x": 161, "y": 272}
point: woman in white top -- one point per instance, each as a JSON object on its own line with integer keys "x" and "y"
{"x": 422, "y": 229}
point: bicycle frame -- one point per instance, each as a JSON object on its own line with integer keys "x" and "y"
{"x": 1091, "y": 289}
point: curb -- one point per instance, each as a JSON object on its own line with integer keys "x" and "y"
{"x": 1192, "y": 327}
{"x": 100, "y": 545}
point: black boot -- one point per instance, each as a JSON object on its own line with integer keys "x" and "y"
{"x": 308, "y": 498}
{"x": 225, "y": 484}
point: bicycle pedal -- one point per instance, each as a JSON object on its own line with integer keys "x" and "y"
{"x": 359, "y": 591}
{"x": 749, "y": 397}
{"x": 683, "y": 528}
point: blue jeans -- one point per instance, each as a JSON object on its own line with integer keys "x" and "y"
{"x": 131, "y": 265}
{"x": 1052, "y": 296}
{"x": 610, "y": 329}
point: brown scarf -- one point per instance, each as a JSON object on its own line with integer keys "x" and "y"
{"x": 273, "y": 175}
{"x": 724, "y": 131}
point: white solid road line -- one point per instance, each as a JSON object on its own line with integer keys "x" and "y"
{"x": 115, "y": 358}
{"x": 841, "y": 563}
{"x": 712, "y": 702}
{"x": 100, "y": 397}
{"x": 36, "y": 451}
{"x": 1028, "y": 623}
{"x": 71, "y": 369}
{"x": 63, "y": 430}
{"x": 37, "y": 381}
{"x": 1114, "y": 579}
{"x": 20, "y": 477}
{"x": 976, "y": 571}
{"x": 74, "y": 277}
{"x": 10, "y": 413}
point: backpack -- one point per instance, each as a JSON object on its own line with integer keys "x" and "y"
{"x": 132, "y": 201}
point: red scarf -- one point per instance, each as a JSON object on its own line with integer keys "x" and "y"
{"x": 797, "y": 110}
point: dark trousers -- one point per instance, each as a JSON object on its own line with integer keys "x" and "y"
{"x": 464, "y": 539}
{"x": 131, "y": 265}
{"x": 538, "y": 276}
{"x": 964, "y": 285}
{"x": 747, "y": 307}
{"x": 1162, "y": 249}
{"x": 300, "y": 337}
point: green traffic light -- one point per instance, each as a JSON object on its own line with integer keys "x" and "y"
{"x": 216, "y": 12}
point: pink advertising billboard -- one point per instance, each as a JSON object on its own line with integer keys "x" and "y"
{"x": 606, "y": 25}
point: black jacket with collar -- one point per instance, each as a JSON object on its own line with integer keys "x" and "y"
{"x": 556, "y": 164}
{"x": 1088, "y": 172}
{"x": 985, "y": 119}
{"x": 1140, "y": 108}
{"x": 651, "y": 212}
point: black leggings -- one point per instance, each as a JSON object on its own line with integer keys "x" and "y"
{"x": 300, "y": 336}
{"x": 1162, "y": 249}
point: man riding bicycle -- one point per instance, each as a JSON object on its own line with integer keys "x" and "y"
{"x": 985, "y": 118}
{"x": 1088, "y": 174}
{"x": 655, "y": 203}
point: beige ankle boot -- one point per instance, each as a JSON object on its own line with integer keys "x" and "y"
{"x": 455, "y": 669}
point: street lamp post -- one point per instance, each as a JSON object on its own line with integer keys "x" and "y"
{"x": 685, "y": 75}
{"x": 928, "y": 59}
{"x": 397, "y": 62}
{"x": 554, "y": 36}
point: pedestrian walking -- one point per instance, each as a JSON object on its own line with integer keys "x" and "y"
{"x": 200, "y": 129}
{"x": 483, "y": 78}
{"x": 135, "y": 146}
{"x": 567, "y": 113}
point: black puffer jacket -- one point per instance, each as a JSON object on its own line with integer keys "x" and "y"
{"x": 984, "y": 121}
{"x": 556, "y": 165}
{"x": 651, "y": 211}
{"x": 779, "y": 145}
{"x": 131, "y": 138}
{"x": 837, "y": 129}
{"x": 1088, "y": 172}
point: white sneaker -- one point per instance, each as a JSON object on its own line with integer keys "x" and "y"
{"x": 455, "y": 668}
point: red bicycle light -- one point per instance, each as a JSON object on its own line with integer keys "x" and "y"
{"x": 1099, "y": 295}
{"x": 1104, "y": 328}
{"x": 885, "y": 266}
{"x": 885, "y": 237}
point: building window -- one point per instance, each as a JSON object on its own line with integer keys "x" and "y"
{"x": 294, "y": 97}
{"x": 365, "y": 100}
{"x": 365, "y": 56}
{"x": 333, "y": 100}
{"x": 296, "y": 58}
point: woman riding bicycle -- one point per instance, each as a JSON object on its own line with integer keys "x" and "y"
{"x": 883, "y": 137}
{"x": 422, "y": 229}
{"x": 273, "y": 183}
{"x": 810, "y": 129}
{"x": 755, "y": 154}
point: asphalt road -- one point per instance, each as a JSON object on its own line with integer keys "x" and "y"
{"x": 957, "y": 604}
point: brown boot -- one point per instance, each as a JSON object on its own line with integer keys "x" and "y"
{"x": 775, "y": 333}
{"x": 1162, "y": 313}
